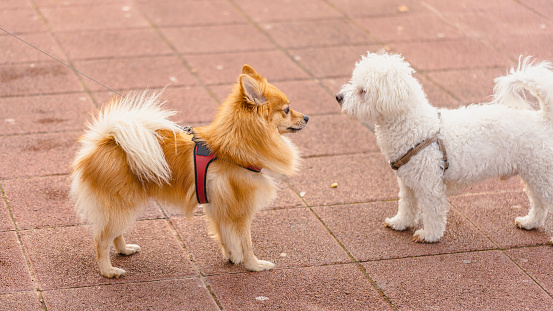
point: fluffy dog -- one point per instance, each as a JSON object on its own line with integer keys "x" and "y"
{"x": 459, "y": 147}
{"x": 133, "y": 152}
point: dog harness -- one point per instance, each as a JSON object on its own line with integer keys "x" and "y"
{"x": 202, "y": 158}
{"x": 418, "y": 147}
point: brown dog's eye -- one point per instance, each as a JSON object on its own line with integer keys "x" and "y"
{"x": 287, "y": 110}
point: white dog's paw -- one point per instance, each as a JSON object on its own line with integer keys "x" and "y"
{"x": 526, "y": 223}
{"x": 113, "y": 272}
{"x": 423, "y": 236}
{"x": 259, "y": 265}
{"x": 398, "y": 223}
{"x": 129, "y": 249}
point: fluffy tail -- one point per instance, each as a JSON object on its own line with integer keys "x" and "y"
{"x": 534, "y": 77}
{"x": 132, "y": 122}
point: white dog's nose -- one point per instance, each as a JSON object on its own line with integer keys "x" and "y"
{"x": 339, "y": 98}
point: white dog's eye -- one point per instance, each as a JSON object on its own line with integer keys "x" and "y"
{"x": 361, "y": 92}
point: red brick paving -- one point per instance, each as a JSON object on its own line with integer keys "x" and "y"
{"x": 330, "y": 246}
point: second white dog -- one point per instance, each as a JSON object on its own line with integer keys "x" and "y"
{"x": 437, "y": 151}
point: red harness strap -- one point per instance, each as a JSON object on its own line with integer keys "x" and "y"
{"x": 202, "y": 158}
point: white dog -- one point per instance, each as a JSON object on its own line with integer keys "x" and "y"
{"x": 438, "y": 151}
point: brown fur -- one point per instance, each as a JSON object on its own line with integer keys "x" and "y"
{"x": 246, "y": 132}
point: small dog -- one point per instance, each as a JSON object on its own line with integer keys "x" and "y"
{"x": 438, "y": 151}
{"x": 132, "y": 152}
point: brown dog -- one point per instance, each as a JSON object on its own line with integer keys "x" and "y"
{"x": 132, "y": 152}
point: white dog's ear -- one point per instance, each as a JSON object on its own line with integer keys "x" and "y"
{"x": 395, "y": 93}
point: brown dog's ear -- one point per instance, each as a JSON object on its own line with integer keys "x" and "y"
{"x": 248, "y": 70}
{"x": 252, "y": 89}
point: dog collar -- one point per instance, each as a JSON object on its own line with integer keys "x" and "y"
{"x": 418, "y": 147}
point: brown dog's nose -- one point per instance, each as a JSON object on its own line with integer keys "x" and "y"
{"x": 305, "y": 118}
{"x": 339, "y": 98}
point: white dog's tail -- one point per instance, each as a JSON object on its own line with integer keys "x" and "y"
{"x": 536, "y": 78}
{"x": 132, "y": 122}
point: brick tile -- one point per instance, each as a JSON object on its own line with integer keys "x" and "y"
{"x": 20, "y": 301}
{"x": 40, "y": 202}
{"x": 306, "y": 242}
{"x": 333, "y": 135}
{"x": 539, "y": 46}
{"x": 332, "y": 61}
{"x": 37, "y": 78}
{"x": 286, "y": 197}
{"x": 14, "y": 274}
{"x": 361, "y": 8}
{"x": 436, "y": 94}
{"x": 320, "y": 33}
{"x": 491, "y": 6}
{"x": 70, "y": 259}
{"x": 193, "y": 104}
{"x": 458, "y": 281}
{"x": 77, "y": 3}
{"x": 536, "y": 261}
{"x": 499, "y": 23}
{"x": 360, "y": 178}
{"x": 19, "y": 21}
{"x": 495, "y": 215}
{"x": 15, "y": 4}
{"x": 37, "y": 155}
{"x": 221, "y": 92}
{"x": 405, "y": 28}
{"x": 281, "y": 10}
{"x": 13, "y": 50}
{"x": 450, "y": 54}
{"x": 225, "y": 68}
{"x": 45, "y": 202}
{"x": 309, "y": 97}
{"x": 217, "y": 39}
{"x": 191, "y": 13}
{"x": 469, "y": 86}
{"x": 5, "y": 218}
{"x": 542, "y": 7}
{"x": 360, "y": 228}
{"x": 99, "y": 17}
{"x": 341, "y": 287}
{"x": 334, "y": 85}
{"x": 35, "y": 114}
{"x": 184, "y": 294}
{"x": 112, "y": 43}
{"x": 136, "y": 73}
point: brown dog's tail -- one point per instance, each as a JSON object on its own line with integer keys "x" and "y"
{"x": 133, "y": 122}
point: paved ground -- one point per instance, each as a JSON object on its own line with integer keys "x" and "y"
{"x": 329, "y": 244}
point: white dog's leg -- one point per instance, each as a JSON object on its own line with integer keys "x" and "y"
{"x": 406, "y": 216}
{"x": 434, "y": 206}
{"x": 538, "y": 209}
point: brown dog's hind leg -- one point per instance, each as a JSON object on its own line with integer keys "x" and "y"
{"x": 124, "y": 249}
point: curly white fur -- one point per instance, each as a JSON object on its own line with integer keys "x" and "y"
{"x": 501, "y": 138}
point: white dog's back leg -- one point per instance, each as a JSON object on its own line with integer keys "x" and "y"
{"x": 541, "y": 199}
{"x": 406, "y": 216}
